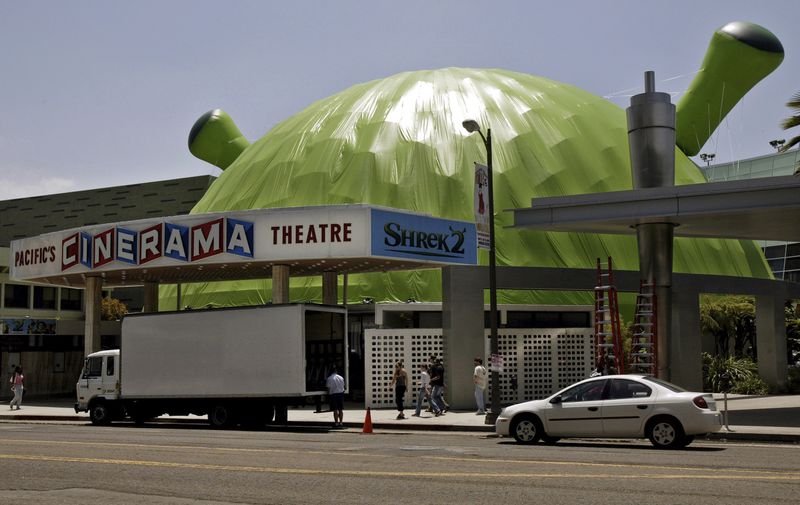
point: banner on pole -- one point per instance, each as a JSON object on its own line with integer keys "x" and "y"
{"x": 482, "y": 205}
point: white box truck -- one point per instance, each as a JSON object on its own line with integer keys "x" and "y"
{"x": 237, "y": 366}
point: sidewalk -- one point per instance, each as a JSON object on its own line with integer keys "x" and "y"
{"x": 754, "y": 418}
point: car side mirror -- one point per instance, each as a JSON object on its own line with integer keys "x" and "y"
{"x": 556, "y": 399}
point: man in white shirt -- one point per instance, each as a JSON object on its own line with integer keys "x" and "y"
{"x": 479, "y": 378}
{"x": 335, "y": 385}
{"x": 424, "y": 389}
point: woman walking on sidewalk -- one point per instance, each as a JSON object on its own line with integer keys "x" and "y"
{"x": 399, "y": 381}
{"x": 17, "y": 385}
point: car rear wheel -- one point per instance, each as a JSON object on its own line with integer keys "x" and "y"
{"x": 665, "y": 433}
{"x": 526, "y": 429}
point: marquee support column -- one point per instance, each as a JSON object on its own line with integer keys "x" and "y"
{"x": 150, "y": 297}
{"x": 330, "y": 288}
{"x": 280, "y": 284}
{"x": 91, "y": 303}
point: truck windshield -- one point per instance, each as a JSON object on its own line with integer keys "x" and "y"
{"x": 93, "y": 367}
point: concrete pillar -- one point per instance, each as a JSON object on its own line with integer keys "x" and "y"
{"x": 655, "y": 266}
{"x": 91, "y": 302}
{"x": 330, "y": 288}
{"x": 687, "y": 342}
{"x": 771, "y": 340}
{"x": 463, "y": 332}
{"x": 280, "y": 284}
{"x": 651, "y": 139}
{"x": 150, "y": 296}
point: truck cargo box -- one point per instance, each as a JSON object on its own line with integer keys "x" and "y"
{"x": 265, "y": 351}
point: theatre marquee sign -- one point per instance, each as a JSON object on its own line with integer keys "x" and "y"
{"x": 265, "y": 235}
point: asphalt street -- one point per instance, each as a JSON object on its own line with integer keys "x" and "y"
{"x": 65, "y": 463}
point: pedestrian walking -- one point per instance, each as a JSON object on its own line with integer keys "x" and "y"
{"x": 400, "y": 382}
{"x": 18, "y": 386}
{"x": 432, "y": 361}
{"x": 437, "y": 387}
{"x": 335, "y": 385}
{"x": 479, "y": 379}
{"x": 424, "y": 388}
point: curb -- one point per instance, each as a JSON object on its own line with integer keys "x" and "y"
{"x": 316, "y": 424}
{"x": 724, "y": 436}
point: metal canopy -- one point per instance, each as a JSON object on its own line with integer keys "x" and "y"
{"x": 235, "y": 271}
{"x": 758, "y": 209}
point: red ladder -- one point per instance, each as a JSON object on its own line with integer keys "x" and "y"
{"x": 607, "y": 333}
{"x": 644, "y": 342}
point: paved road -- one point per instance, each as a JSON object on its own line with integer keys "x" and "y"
{"x": 63, "y": 463}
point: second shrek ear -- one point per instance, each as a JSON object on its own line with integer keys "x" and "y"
{"x": 739, "y": 55}
{"x": 215, "y": 138}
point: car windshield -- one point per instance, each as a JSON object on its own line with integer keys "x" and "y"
{"x": 672, "y": 387}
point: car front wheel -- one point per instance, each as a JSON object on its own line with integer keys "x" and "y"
{"x": 526, "y": 429}
{"x": 666, "y": 433}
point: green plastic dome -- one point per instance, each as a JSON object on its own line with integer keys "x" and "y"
{"x": 399, "y": 142}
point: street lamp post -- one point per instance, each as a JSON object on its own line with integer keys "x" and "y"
{"x": 472, "y": 126}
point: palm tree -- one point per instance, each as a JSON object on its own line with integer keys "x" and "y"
{"x": 792, "y": 122}
{"x": 731, "y": 320}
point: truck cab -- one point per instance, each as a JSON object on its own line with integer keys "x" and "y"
{"x": 98, "y": 386}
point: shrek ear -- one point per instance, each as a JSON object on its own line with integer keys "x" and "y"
{"x": 739, "y": 55}
{"x": 216, "y": 139}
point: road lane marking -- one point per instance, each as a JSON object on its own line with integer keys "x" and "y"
{"x": 385, "y": 456}
{"x": 375, "y": 473}
{"x": 613, "y": 465}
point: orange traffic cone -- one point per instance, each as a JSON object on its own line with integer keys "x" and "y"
{"x": 367, "y": 423}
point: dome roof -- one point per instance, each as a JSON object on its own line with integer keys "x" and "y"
{"x": 399, "y": 142}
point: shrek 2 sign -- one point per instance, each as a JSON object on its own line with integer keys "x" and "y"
{"x": 423, "y": 238}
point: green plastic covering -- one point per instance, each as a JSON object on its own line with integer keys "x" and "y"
{"x": 399, "y": 142}
{"x": 215, "y": 138}
{"x": 739, "y": 55}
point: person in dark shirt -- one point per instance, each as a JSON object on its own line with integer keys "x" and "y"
{"x": 437, "y": 388}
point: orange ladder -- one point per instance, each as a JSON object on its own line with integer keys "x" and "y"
{"x": 607, "y": 333}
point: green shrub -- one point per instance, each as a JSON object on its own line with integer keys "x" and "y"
{"x": 743, "y": 373}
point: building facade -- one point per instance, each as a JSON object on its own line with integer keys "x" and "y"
{"x": 41, "y": 327}
{"x": 783, "y": 257}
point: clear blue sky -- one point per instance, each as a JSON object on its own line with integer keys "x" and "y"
{"x": 101, "y": 93}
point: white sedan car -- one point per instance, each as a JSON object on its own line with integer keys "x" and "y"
{"x": 614, "y": 406}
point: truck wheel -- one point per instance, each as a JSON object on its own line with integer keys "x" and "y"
{"x": 100, "y": 413}
{"x": 281, "y": 414}
{"x": 259, "y": 416}
{"x": 220, "y": 416}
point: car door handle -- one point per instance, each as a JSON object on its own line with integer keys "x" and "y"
{"x": 641, "y": 407}
{"x": 592, "y": 409}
